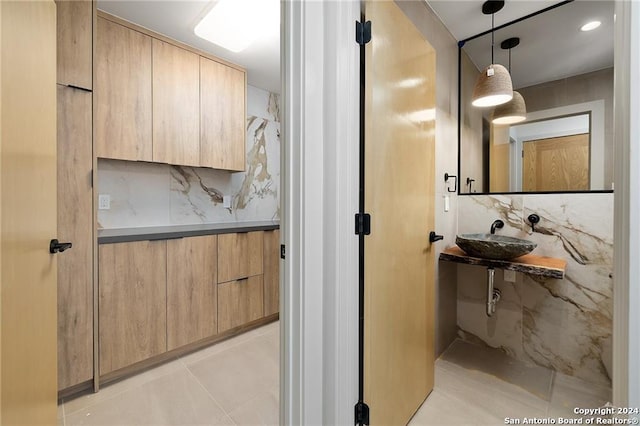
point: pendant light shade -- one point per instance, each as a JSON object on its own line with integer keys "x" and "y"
{"x": 512, "y": 112}
{"x": 515, "y": 110}
{"x": 493, "y": 87}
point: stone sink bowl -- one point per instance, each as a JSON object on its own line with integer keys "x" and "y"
{"x": 491, "y": 246}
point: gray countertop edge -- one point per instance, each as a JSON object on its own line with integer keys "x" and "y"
{"x": 126, "y": 235}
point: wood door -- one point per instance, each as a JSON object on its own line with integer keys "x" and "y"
{"x": 75, "y": 42}
{"x": 75, "y": 224}
{"x": 191, "y": 290}
{"x": 222, "y": 116}
{"x": 239, "y": 255}
{"x": 556, "y": 164}
{"x": 399, "y": 195}
{"x": 239, "y": 302}
{"x": 176, "y": 105}
{"x": 133, "y": 302}
{"x": 271, "y": 268}
{"x": 28, "y": 361}
{"x": 122, "y": 93}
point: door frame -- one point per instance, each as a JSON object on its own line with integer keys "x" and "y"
{"x": 320, "y": 119}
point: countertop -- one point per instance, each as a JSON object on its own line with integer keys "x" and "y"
{"x": 529, "y": 263}
{"x": 144, "y": 233}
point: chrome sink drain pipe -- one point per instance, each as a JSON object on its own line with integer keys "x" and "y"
{"x": 493, "y": 294}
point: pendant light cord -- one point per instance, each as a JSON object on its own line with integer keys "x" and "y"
{"x": 492, "y": 23}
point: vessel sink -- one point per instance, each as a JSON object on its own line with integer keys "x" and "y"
{"x": 491, "y": 246}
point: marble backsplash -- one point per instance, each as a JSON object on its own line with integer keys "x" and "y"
{"x": 563, "y": 324}
{"x": 151, "y": 194}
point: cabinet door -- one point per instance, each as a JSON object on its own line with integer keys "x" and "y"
{"x": 271, "y": 272}
{"x": 75, "y": 224}
{"x": 176, "y": 105}
{"x": 133, "y": 302}
{"x": 123, "y": 93}
{"x": 191, "y": 290}
{"x": 239, "y": 302}
{"x": 222, "y": 116}
{"x": 239, "y": 255}
{"x": 75, "y": 42}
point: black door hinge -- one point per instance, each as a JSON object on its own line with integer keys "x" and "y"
{"x": 363, "y": 224}
{"x": 363, "y": 32}
{"x": 282, "y": 251}
{"x": 362, "y": 413}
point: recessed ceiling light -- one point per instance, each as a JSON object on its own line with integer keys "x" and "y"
{"x": 590, "y": 26}
{"x": 235, "y": 24}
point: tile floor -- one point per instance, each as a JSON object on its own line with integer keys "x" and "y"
{"x": 235, "y": 382}
{"x": 483, "y": 386}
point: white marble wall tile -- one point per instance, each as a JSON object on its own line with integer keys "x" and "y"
{"x": 138, "y": 191}
{"x": 503, "y": 329}
{"x": 565, "y": 324}
{"x": 147, "y": 194}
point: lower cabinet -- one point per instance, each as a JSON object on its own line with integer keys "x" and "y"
{"x": 133, "y": 302}
{"x": 191, "y": 290}
{"x": 239, "y": 302}
{"x": 159, "y": 296}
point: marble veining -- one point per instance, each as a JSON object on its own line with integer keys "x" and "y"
{"x": 148, "y": 194}
{"x": 562, "y": 324}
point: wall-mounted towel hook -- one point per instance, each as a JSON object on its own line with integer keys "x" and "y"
{"x": 533, "y": 219}
{"x": 455, "y": 182}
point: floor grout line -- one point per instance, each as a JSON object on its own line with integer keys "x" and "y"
{"x": 211, "y": 396}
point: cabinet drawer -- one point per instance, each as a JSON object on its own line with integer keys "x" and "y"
{"x": 239, "y": 255}
{"x": 239, "y": 302}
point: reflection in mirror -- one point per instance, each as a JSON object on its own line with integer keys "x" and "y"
{"x": 566, "y": 79}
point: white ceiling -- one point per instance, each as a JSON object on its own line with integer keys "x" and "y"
{"x": 177, "y": 18}
{"x": 551, "y": 44}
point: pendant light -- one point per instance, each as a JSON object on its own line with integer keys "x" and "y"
{"x": 493, "y": 86}
{"x": 515, "y": 110}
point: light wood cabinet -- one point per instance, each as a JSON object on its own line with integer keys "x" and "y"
{"x": 133, "y": 302}
{"x": 176, "y": 105}
{"x": 271, "y": 272}
{"x": 239, "y": 302}
{"x": 75, "y": 43}
{"x": 222, "y": 116}
{"x": 75, "y": 225}
{"x": 123, "y": 93}
{"x": 191, "y": 290}
{"x": 239, "y": 255}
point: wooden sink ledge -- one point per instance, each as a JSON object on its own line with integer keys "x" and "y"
{"x": 528, "y": 264}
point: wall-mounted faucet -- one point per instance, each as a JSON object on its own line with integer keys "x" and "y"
{"x": 533, "y": 219}
{"x": 496, "y": 224}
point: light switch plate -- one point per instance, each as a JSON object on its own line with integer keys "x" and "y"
{"x": 104, "y": 202}
{"x": 510, "y": 276}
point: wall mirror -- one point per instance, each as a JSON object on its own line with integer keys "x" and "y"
{"x": 565, "y": 76}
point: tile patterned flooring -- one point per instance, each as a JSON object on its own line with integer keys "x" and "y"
{"x": 235, "y": 382}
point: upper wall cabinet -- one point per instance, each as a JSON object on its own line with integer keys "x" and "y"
{"x": 123, "y": 93}
{"x": 176, "y": 111}
{"x": 75, "y": 25}
{"x": 222, "y": 112}
{"x": 159, "y": 100}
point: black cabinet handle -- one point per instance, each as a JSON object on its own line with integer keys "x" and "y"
{"x": 56, "y": 246}
{"x": 433, "y": 237}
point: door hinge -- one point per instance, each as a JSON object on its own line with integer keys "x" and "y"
{"x": 363, "y": 224}
{"x": 282, "y": 251}
{"x": 362, "y": 413}
{"x": 363, "y": 32}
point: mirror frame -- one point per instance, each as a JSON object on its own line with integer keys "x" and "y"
{"x": 461, "y": 44}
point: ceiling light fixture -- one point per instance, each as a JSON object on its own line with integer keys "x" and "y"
{"x": 493, "y": 86}
{"x": 515, "y": 110}
{"x": 236, "y": 24}
{"x": 589, "y": 26}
